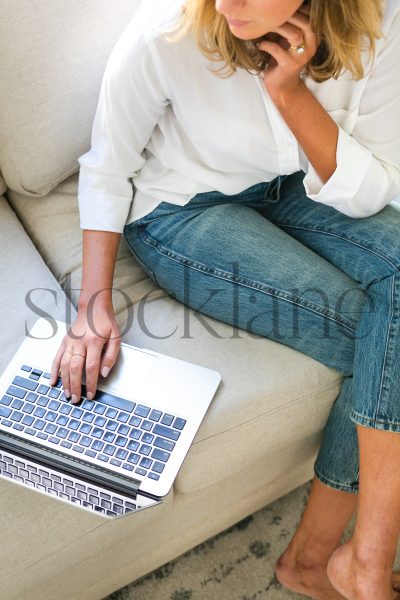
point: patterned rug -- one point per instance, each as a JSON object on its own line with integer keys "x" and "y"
{"x": 236, "y": 564}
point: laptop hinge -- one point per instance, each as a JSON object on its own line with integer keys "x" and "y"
{"x": 70, "y": 464}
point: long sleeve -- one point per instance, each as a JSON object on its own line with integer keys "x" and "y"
{"x": 367, "y": 176}
{"x": 132, "y": 99}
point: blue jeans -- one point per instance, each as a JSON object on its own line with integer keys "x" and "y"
{"x": 272, "y": 261}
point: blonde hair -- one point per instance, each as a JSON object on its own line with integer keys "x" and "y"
{"x": 340, "y": 26}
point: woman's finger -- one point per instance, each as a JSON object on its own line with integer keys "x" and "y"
{"x": 302, "y": 22}
{"x": 76, "y": 366}
{"x": 92, "y": 368}
{"x": 55, "y": 366}
{"x": 110, "y": 354}
{"x": 64, "y": 367}
{"x": 291, "y": 33}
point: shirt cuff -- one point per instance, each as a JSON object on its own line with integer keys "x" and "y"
{"x": 353, "y": 163}
{"x": 104, "y": 212}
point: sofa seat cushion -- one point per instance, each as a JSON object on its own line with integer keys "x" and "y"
{"x": 270, "y": 397}
{"x": 52, "y": 222}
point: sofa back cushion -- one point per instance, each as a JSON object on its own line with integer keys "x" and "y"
{"x": 52, "y": 58}
{"x": 2, "y": 186}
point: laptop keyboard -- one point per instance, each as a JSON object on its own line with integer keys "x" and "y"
{"x": 134, "y": 437}
{"x": 42, "y": 478}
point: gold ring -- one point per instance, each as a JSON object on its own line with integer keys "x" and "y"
{"x": 299, "y": 49}
{"x": 78, "y": 354}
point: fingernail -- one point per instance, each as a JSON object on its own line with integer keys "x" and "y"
{"x": 105, "y": 371}
{"x": 89, "y": 396}
{"x": 67, "y": 393}
{"x": 74, "y": 399}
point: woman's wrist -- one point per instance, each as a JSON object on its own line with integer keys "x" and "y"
{"x": 101, "y": 298}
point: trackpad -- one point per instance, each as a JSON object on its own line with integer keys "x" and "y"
{"x": 132, "y": 373}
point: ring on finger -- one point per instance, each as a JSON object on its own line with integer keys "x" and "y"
{"x": 298, "y": 49}
{"x": 78, "y": 354}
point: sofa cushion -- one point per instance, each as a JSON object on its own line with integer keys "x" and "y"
{"x": 53, "y": 224}
{"x": 52, "y": 57}
{"x": 264, "y": 384}
{"x": 3, "y": 186}
{"x": 22, "y": 272}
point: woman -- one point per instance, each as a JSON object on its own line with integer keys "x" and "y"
{"x": 232, "y": 118}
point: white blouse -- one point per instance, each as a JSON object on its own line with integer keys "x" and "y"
{"x": 166, "y": 128}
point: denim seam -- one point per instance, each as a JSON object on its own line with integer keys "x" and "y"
{"x": 246, "y": 283}
{"x": 358, "y": 415}
{"x": 389, "y": 336}
{"x": 336, "y": 484}
{"x": 349, "y": 239}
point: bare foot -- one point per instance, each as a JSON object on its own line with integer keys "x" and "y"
{"x": 357, "y": 582}
{"x": 312, "y": 580}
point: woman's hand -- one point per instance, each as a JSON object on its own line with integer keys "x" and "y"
{"x": 285, "y": 65}
{"x": 91, "y": 344}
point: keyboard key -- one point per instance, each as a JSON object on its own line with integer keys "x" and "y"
{"x": 103, "y": 457}
{"x": 99, "y": 409}
{"x": 54, "y": 440}
{"x": 41, "y": 435}
{"x": 54, "y": 405}
{"x": 127, "y": 466}
{"x": 123, "y": 417}
{"x": 34, "y": 377}
{"x": 135, "y": 434}
{"x": 160, "y": 455}
{"x": 121, "y": 440}
{"x": 73, "y": 424}
{"x": 50, "y": 428}
{"x": 28, "y": 408}
{"x": 90, "y": 453}
{"x": 54, "y": 393}
{"x": 85, "y": 428}
{"x": 123, "y": 429}
{"x": 145, "y": 462}
{"x": 111, "y": 425}
{"x": 115, "y": 462}
{"x": 66, "y": 444}
{"x": 46, "y": 375}
{"x": 164, "y": 444}
{"x": 18, "y": 426}
{"x": 25, "y": 368}
{"x": 17, "y": 403}
{"x": 115, "y": 401}
{"x": 155, "y": 415}
{"x": 85, "y": 440}
{"x": 145, "y": 449}
{"x": 88, "y": 417}
{"x": 167, "y": 432}
{"x": 133, "y": 445}
{"x": 16, "y": 415}
{"x": 111, "y": 413}
{"x": 109, "y": 436}
{"x": 28, "y": 384}
{"x": 78, "y": 448}
{"x": 17, "y": 392}
{"x": 97, "y": 445}
{"x": 4, "y": 411}
{"x": 140, "y": 471}
{"x": 152, "y": 475}
{"x": 31, "y": 397}
{"x": 133, "y": 458}
{"x": 62, "y": 420}
{"x": 6, "y": 422}
{"x": 42, "y": 401}
{"x": 6, "y": 400}
{"x": 62, "y": 432}
{"x": 122, "y": 454}
{"x": 100, "y": 421}
{"x": 37, "y": 372}
{"x": 30, "y": 431}
{"x": 147, "y": 425}
{"x": 87, "y": 404}
{"x": 50, "y": 416}
{"x": 135, "y": 421}
{"x": 141, "y": 410}
{"x": 167, "y": 419}
{"x": 73, "y": 436}
{"x": 109, "y": 449}
{"x": 43, "y": 389}
{"x": 27, "y": 420}
{"x": 159, "y": 467}
{"x": 147, "y": 438}
{"x": 39, "y": 411}
{"x": 76, "y": 412}
{"x": 65, "y": 409}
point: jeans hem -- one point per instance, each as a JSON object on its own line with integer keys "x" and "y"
{"x": 351, "y": 488}
{"x": 374, "y": 423}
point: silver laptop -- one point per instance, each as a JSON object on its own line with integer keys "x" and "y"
{"x": 114, "y": 455}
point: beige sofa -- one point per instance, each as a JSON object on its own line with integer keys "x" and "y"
{"x": 259, "y": 438}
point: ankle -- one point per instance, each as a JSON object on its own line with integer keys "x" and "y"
{"x": 310, "y": 554}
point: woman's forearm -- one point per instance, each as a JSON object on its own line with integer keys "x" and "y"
{"x": 99, "y": 255}
{"x": 313, "y": 128}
